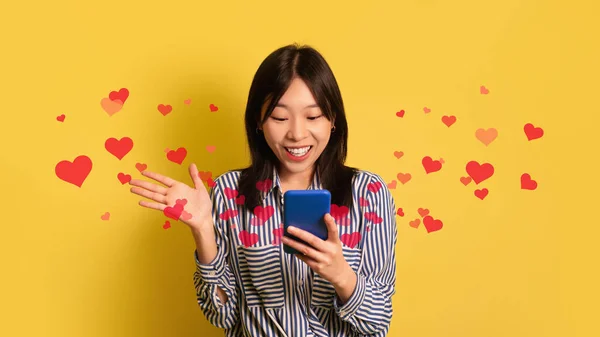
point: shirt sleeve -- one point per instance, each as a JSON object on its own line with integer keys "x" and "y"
{"x": 369, "y": 308}
{"x": 217, "y": 273}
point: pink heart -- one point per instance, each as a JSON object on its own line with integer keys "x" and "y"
{"x": 185, "y": 215}
{"x": 351, "y": 240}
{"x": 264, "y": 213}
{"x": 483, "y": 90}
{"x": 187, "y": 101}
{"x": 426, "y": 110}
{"x": 105, "y": 216}
{"x": 248, "y": 239}
{"x": 211, "y": 148}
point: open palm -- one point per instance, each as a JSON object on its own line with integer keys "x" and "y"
{"x": 166, "y": 194}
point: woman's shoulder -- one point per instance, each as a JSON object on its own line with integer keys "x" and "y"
{"x": 228, "y": 179}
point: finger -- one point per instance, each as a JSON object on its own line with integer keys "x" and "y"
{"x": 149, "y": 186}
{"x": 332, "y": 228}
{"x": 307, "y": 237}
{"x": 195, "y": 177}
{"x": 149, "y": 194}
{"x": 302, "y": 248}
{"x": 159, "y": 177}
{"x": 312, "y": 263}
{"x": 152, "y": 205}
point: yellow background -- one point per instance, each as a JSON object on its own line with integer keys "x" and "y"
{"x": 519, "y": 263}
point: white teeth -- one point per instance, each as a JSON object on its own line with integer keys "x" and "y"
{"x": 298, "y": 152}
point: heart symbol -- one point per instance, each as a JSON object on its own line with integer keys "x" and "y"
{"x": 392, "y": 185}
{"x": 61, "y": 118}
{"x": 141, "y": 167}
{"x": 481, "y": 194}
{"x": 527, "y": 183}
{"x": 374, "y": 187}
{"x": 187, "y": 101}
{"x": 426, "y": 110}
{"x": 278, "y": 232}
{"x": 404, "y": 177}
{"x": 211, "y": 148}
{"x": 398, "y": 154}
{"x": 256, "y": 221}
{"x": 350, "y": 240}
{"x": 205, "y": 175}
{"x": 264, "y": 185}
{"x": 339, "y": 212}
{"x": 165, "y": 109}
{"x": 118, "y": 148}
{"x": 181, "y": 202}
{"x": 400, "y": 113}
{"x": 400, "y": 211}
{"x": 415, "y": 223}
{"x": 478, "y": 172}
{"x": 373, "y": 217}
{"x": 264, "y": 213}
{"x": 167, "y": 225}
{"x": 431, "y": 165}
{"x": 483, "y": 90}
{"x": 248, "y": 239}
{"x": 167, "y": 150}
{"x": 120, "y": 95}
{"x": 230, "y": 193}
{"x": 532, "y": 132}
{"x": 448, "y": 120}
{"x": 210, "y": 183}
{"x": 177, "y": 156}
{"x": 431, "y": 224}
{"x": 111, "y": 107}
{"x": 465, "y": 180}
{"x": 185, "y": 216}
{"x": 74, "y": 172}
{"x": 240, "y": 200}
{"x": 105, "y": 216}
{"x": 123, "y": 178}
{"x": 228, "y": 214}
{"x": 213, "y": 108}
{"x": 173, "y": 212}
{"x": 486, "y": 136}
{"x": 423, "y": 212}
{"x": 363, "y": 202}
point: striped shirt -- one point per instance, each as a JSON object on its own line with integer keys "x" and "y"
{"x": 272, "y": 293}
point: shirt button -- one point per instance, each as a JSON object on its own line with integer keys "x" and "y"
{"x": 212, "y": 273}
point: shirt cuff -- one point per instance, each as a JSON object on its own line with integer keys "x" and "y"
{"x": 349, "y": 308}
{"x": 213, "y": 271}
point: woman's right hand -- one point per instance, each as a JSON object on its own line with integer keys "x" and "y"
{"x": 198, "y": 203}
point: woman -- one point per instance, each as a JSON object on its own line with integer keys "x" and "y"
{"x": 297, "y": 133}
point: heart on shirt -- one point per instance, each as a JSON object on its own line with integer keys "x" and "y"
{"x": 373, "y": 217}
{"x": 350, "y": 240}
{"x": 264, "y": 213}
{"x": 339, "y": 212}
{"x": 248, "y": 239}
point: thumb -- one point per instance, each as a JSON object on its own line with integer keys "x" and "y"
{"x": 332, "y": 228}
{"x": 195, "y": 177}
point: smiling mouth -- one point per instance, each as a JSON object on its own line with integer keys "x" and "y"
{"x": 298, "y": 152}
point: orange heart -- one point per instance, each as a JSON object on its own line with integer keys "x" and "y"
{"x": 486, "y": 136}
{"x": 404, "y": 177}
{"x": 141, "y": 167}
{"x": 111, "y": 107}
{"x": 415, "y": 223}
{"x": 398, "y": 154}
{"x": 105, "y": 216}
{"x": 392, "y": 185}
{"x": 465, "y": 180}
{"x": 423, "y": 212}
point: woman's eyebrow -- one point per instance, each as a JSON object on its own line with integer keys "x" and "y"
{"x": 306, "y": 107}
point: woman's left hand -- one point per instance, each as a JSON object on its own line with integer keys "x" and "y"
{"x": 325, "y": 258}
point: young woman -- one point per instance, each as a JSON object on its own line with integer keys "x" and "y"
{"x": 245, "y": 283}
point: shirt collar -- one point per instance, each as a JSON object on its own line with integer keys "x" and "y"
{"x": 276, "y": 184}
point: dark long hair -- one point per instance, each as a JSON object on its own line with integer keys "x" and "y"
{"x": 270, "y": 82}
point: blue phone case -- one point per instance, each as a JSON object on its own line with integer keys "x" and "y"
{"x": 305, "y": 209}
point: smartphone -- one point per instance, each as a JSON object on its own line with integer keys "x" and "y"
{"x": 305, "y": 209}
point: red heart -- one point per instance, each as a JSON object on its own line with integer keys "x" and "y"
{"x": 173, "y": 212}
{"x": 248, "y": 239}
{"x": 167, "y": 225}
{"x": 264, "y": 185}
{"x": 61, "y": 118}
{"x": 141, "y": 167}
{"x": 415, "y": 223}
{"x": 400, "y": 113}
{"x": 181, "y": 202}
{"x": 118, "y": 148}
{"x": 404, "y": 177}
{"x": 532, "y": 132}
{"x": 124, "y": 178}
{"x": 339, "y": 212}
{"x": 230, "y": 193}
{"x": 482, "y": 193}
{"x": 264, "y": 213}
{"x": 374, "y": 187}
{"x": 204, "y": 176}
{"x": 228, "y": 214}
{"x": 373, "y": 217}
{"x": 479, "y": 172}
{"x": 74, "y": 172}
{"x": 527, "y": 183}
{"x": 431, "y": 224}
{"x": 165, "y": 109}
{"x": 465, "y": 180}
{"x": 256, "y": 221}
{"x": 363, "y": 202}
{"x": 240, "y": 200}
{"x": 213, "y": 108}
{"x": 211, "y": 183}
{"x": 431, "y": 165}
{"x": 423, "y": 212}
{"x": 278, "y": 232}
{"x": 448, "y": 120}
{"x": 350, "y": 240}
{"x": 400, "y": 211}
{"x": 121, "y": 95}
{"x": 177, "y": 156}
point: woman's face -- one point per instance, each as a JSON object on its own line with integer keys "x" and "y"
{"x": 297, "y": 131}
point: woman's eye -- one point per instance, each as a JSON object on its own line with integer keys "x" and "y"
{"x": 313, "y": 118}
{"x": 278, "y": 119}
